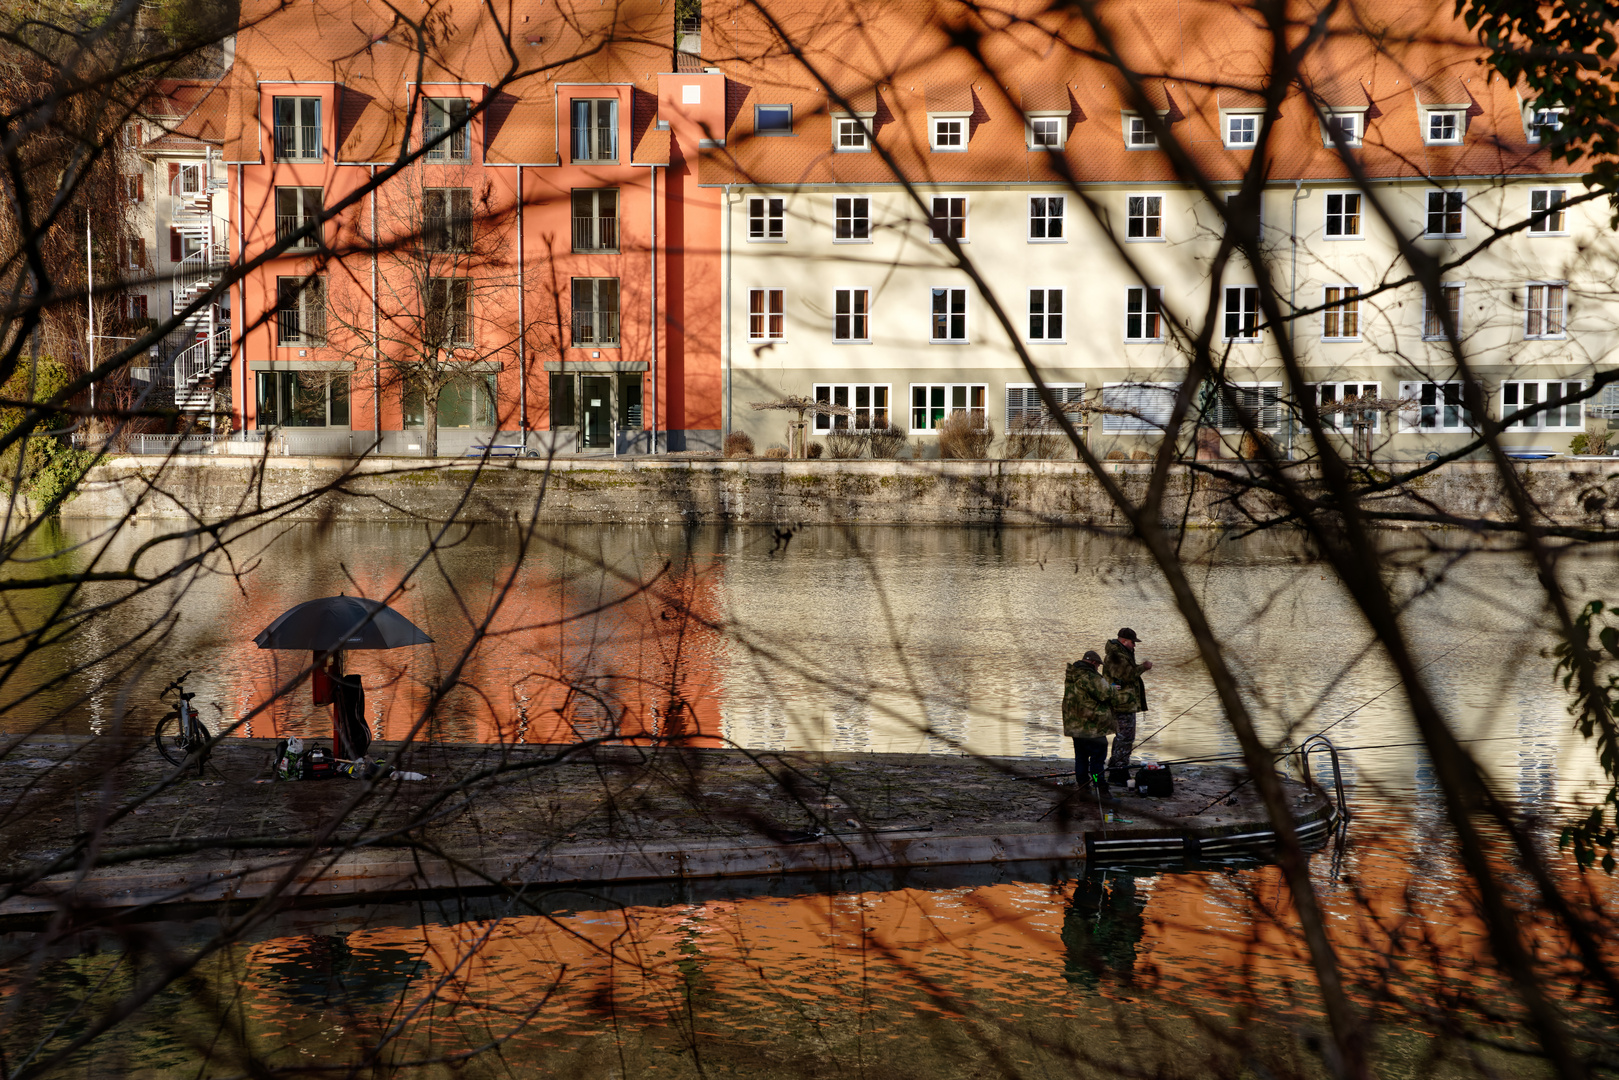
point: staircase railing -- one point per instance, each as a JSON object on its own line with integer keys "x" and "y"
{"x": 201, "y": 360}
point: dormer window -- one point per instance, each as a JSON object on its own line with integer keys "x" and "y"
{"x": 444, "y": 128}
{"x": 1138, "y": 135}
{"x": 851, "y": 134}
{"x": 1444, "y": 126}
{"x": 1046, "y": 132}
{"x": 772, "y": 119}
{"x": 1544, "y": 122}
{"x": 595, "y": 129}
{"x": 1344, "y": 126}
{"x": 947, "y": 133}
{"x": 1242, "y": 130}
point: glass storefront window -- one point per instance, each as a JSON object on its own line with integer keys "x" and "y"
{"x": 303, "y": 399}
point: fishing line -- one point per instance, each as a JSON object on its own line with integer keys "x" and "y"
{"x": 1183, "y": 712}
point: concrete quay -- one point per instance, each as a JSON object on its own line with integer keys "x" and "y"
{"x": 1569, "y": 492}
{"x": 506, "y": 817}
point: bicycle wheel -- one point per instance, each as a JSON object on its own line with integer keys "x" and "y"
{"x": 168, "y": 740}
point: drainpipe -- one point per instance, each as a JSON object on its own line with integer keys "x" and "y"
{"x": 522, "y": 326}
{"x": 376, "y": 348}
{"x": 1292, "y": 294}
{"x": 239, "y": 316}
{"x": 725, "y": 314}
{"x": 652, "y": 364}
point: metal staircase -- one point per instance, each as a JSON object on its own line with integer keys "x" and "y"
{"x": 195, "y": 364}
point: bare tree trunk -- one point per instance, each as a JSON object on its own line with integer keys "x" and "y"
{"x": 430, "y": 396}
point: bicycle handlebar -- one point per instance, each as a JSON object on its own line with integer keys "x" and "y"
{"x": 180, "y": 682}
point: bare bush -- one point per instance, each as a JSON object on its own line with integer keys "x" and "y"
{"x": 775, "y": 453}
{"x": 1032, "y": 439}
{"x": 738, "y": 444}
{"x": 886, "y": 442}
{"x": 815, "y": 450}
{"x": 965, "y": 435}
{"x": 843, "y": 444}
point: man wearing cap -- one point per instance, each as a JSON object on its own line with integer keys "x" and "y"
{"x": 1123, "y": 675}
{"x": 1087, "y": 718}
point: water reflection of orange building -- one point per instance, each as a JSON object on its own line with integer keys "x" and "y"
{"x": 1219, "y": 945}
{"x": 590, "y": 637}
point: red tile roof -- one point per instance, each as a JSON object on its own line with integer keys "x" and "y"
{"x": 522, "y": 52}
{"x": 1191, "y": 58}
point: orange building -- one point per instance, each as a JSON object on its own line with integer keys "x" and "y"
{"x": 535, "y": 257}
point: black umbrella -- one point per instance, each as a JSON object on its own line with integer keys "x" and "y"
{"x": 341, "y": 622}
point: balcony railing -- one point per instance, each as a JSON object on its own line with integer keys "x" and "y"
{"x": 595, "y": 233}
{"x": 295, "y": 327}
{"x": 454, "y": 148}
{"x": 294, "y": 142}
{"x": 595, "y": 328}
{"x": 287, "y": 224}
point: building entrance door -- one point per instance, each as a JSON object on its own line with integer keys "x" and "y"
{"x": 596, "y": 412}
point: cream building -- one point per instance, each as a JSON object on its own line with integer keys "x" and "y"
{"x": 1076, "y": 214}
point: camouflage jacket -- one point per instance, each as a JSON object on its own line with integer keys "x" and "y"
{"x": 1120, "y": 669}
{"x": 1087, "y": 704}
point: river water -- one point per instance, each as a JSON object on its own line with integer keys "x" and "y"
{"x": 930, "y": 640}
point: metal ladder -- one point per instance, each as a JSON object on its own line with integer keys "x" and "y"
{"x": 1315, "y": 744}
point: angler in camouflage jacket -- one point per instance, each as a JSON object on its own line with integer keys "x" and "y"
{"x": 1123, "y": 675}
{"x": 1087, "y": 717}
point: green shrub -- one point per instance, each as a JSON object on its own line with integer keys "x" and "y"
{"x": 52, "y": 470}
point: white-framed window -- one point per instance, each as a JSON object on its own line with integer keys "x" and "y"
{"x": 851, "y": 219}
{"x": 1342, "y": 125}
{"x": 1546, "y": 210}
{"x": 1242, "y": 130}
{"x": 767, "y": 315}
{"x": 1433, "y": 407}
{"x": 1241, "y": 313}
{"x": 1260, "y": 403}
{"x": 1340, "y": 313}
{"x": 851, "y": 315}
{"x": 1046, "y": 216}
{"x": 1545, "y": 309}
{"x": 1144, "y": 217}
{"x": 1543, "y": 123}
{"x": 1433, "y": 323}
{"x": 931, "y": 403}
{"x": 1143, "y": 313}
{"x": 772, "y": 119}
{"x": 869, "y": 402}
{"x": 949, "y": 315}
{"x": 850, "y": 135}
{"x": 1445, "y": 213}
{"x": 1138, "y": 135}
{"x": 949, "y": 218}
{"x": 1444, "y": 126}
{"x": 1560, "y": 415}
{"x": 1024, "y": 407}
{"x": 947, "y": 134}
{"x": 1137, "y": 406}
{"x": 301, "y": 310}
{"x": 1046, "y": 132}
{"x": 1343, "y": 214}
{"x": 1328, "y": 395}
{"x": 767, "y": 219}
{"x": 1046, "y": 313}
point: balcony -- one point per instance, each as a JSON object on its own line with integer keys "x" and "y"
{"x": 295, "y": 142}
{"x": 595, "y": 329}
{"x": 595, "y": 233}
{"x": 295, "y": 327}
{"x": 287, "y": 224}
{"x": 452, "y": 149}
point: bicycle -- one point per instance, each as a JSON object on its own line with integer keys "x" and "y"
{"x": 181, "y": 734}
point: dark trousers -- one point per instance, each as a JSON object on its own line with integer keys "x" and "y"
{"x": 1124, "y": 741}
{"x": 1088, "y": 755}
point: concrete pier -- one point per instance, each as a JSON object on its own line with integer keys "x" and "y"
{"x": 491, "y": 817}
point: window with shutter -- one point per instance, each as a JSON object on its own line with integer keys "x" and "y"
{"x": 1137, "y": 407}
{"x": 1260, "y": 403}
{"x": 1024, "y": 408}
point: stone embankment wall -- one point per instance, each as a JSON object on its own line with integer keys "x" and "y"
{"x": 1578, "y": 493}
